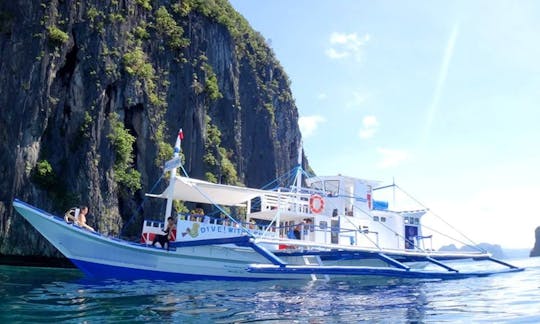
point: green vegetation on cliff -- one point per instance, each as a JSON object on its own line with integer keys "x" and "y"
{"x": 57, "y": 36}
{"x": 122, "y": 142}
{"x": 43, "y": 175}
{"x": 217, "y": 159}
{"x": 166, "y": 25}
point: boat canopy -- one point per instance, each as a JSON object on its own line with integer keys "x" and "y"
{"x": 199, "y": 191}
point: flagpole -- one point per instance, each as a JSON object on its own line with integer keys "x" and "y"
{"x": 172, "y": 180}
{"x": 298, "y": 176}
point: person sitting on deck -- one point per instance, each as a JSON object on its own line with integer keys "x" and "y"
{"x": 297, "y": 231}
{"x": 168, "y": 236}
{"x": 78, "y": 217}
{"x": 197, "y": 214}
{"x": 294, "y": 232}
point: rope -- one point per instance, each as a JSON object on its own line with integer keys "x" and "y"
{"x": 224, "y": 212}
{"x": 288, "y": 174}
{"x": 218, "y": 206}
{"x": 391, "y": 230}
{"x": 362, "y": 232}
{"x": 472, "y": 243}
{"x": 453, "y": 238}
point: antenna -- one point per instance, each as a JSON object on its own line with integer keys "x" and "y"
{"x": 394, "y": 193}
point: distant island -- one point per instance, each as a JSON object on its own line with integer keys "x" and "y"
{"x": 495, "y": 249}
{"x": 536, "y": 249}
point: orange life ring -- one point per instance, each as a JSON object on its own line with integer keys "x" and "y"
{"x": 316, "y": 204}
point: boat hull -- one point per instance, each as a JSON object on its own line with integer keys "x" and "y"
{"x": 233, "y": 258}
{"x": 99, "y": 256}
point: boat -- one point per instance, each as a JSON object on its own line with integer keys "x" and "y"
{"x": 318, "y": 228}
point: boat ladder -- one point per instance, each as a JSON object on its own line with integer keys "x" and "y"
{"x": 315, "y": 260}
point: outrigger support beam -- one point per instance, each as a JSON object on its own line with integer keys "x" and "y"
{"x": 502, "y": 263}
{"x": 369, "y": 271}
{"x": 440, "y": 264}
{"x": 267, "y": 254}
{"x": 243, "y": 240}
{"x": 393, "y": 261}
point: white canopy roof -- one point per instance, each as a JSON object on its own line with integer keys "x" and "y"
{"x": 194, "y": 190}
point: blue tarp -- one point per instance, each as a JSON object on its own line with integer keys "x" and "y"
{"x": 379, "y": 204}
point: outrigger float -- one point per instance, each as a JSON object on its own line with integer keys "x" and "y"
{"x": 332, "y": 228}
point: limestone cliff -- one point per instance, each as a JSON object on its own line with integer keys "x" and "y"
{"x": 495, "y": 249}
{"x": 93, "y": 92}
{"x": 535, "y": 252}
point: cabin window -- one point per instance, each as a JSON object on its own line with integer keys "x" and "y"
{"x": 255, "y": 205}
{"x": 383, "y": 219}
{"x": 317, "y": 185}
{"x": 417, "y": 221}
{"x": 332, "y": 187}
{"x": 406, "y": 220}
{"x": 323, "y": 224}
{"x": 375, "y": 218}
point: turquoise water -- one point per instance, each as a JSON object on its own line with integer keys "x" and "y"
{"x": 52, "y": 295}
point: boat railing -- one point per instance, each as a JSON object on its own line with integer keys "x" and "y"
{"x": 224, "y": 221}
{"x": 286, "y": 201}
{"x": 285, "y": 231}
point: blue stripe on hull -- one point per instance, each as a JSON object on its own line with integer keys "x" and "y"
{"x": 103, "y": 271}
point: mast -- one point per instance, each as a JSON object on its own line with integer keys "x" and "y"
{"x": 173, "y": 165}
{"x": 298, "y": 176}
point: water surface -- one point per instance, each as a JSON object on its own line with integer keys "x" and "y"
{"x": 53, "y": 295}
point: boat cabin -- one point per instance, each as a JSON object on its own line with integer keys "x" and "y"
{"x": 329, "y": 210}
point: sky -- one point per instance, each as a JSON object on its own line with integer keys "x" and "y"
{"x": 439, "y": 96}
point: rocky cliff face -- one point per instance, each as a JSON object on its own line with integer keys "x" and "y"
{"x": 92, "y": 93}
{"x": 535, "y": 252}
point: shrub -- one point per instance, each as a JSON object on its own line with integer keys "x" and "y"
{"x": 210, "y": 177}
{"x": 135, "y": 64}
{"x": 211, "y": 84}
{"x": 145, "y": 4}
{"x": 43, "y": 175}
{"x": 166, "y": 25}
{"x": 220, "y": 168}
{"x": 57, "y": 36}
{"x": 92, "y": 13}
{"x": 123, "y": 141}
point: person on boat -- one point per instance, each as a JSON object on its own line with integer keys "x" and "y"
{"x": 167, "y": 236}
{"x": 297, "y": 231}
{"x": 82, "y": 219}
{"x": 252, "y": 224}
{"x": 197, "y": 214}
{"x": 78, "y": 217}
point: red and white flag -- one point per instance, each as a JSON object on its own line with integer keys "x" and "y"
{"x": 179, "y": 139}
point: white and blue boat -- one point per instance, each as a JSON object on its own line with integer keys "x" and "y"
{"x": 331, "y": 228}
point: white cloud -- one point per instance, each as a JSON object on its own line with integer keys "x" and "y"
{"x": 322, "y": 96}
{"x": 344, "y": 45}
{"x": 309, "y": 124}
{"x": 391, "y": 158}
{"x": 334, "y": 54}
{"x": 369, "y": 127}
{"x": 471, "y": 210}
